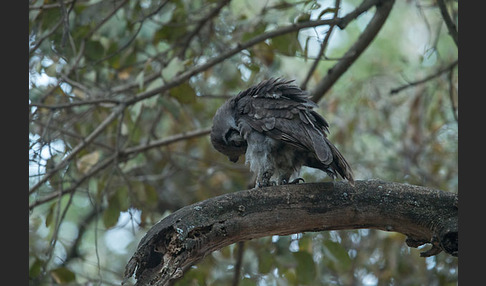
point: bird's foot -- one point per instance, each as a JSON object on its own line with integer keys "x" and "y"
{"x": 264, "y": 180}
{"x": 296, "y": 181}
{"x": 265, "y": 183}
{"x": 293, "y": 182}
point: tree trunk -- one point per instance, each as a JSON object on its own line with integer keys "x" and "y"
{"x": 183, "y": 238}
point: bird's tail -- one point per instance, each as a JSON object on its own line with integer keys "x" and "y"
{"x": 340, "y": 164}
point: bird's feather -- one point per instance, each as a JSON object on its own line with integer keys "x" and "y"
{"x": 284, "y": 112}
{"x": 276, "y": 119}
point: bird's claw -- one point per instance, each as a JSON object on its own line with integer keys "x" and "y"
{"x": 265, "y": 183}
{"x": 296, "y": 181}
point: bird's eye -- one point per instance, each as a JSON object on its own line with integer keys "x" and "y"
{"x": 231, "y": 137}
{"x": 227, "y": 136}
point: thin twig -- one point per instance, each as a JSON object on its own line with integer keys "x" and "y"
{"x": 121, "y": 156}
{"x": 102, "y": 22}
{"x": 50, "y": 6}
{"x": 119, "y": 50}
{"x": 59, "y": 218}
{"x": 165, "y": 141}
{"x": 77, "y": 103}
{"x": 451, "y": 95}
{"x": 181, "y": 78}
{"x": 55, "y": 127}
{"x": 424, "y": 80}
{"x": 80, "y": 146}
{"x": 239, "y": 263}
{"x": 185, "y": 76}
{"x": 448, "y": 21}
{"x": 364, "y": 40}
{"x": 93, "y": 171}
{"x": 47, "y": 35}
{"x": 200, "y": 25}
{"x": 83, "y": 226}
{"x": 323, "y": 48}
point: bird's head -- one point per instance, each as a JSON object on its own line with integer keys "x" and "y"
{"x": 225, "y": 136}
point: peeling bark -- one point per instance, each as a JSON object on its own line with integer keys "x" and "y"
{"x": 178, "y": 241}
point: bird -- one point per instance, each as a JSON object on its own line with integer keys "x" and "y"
{"x": 274, "y": 125}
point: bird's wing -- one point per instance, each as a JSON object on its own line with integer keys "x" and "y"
{"x": 283, "y": 111}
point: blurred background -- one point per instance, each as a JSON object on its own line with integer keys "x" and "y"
{"x": 121, "y": 98}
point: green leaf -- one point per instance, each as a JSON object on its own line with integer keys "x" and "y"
{"x": 143, "y": 196}
{"x": 306, "y": 269}
{"x": 50, "y": 214}
{"x": 304, "y": 17}
{"x": 172, "y": 69}
{"x": 248, "y": 282}
{"x": 112, "y": 212}
{"x": 49, "y": 18}
{"x": 290, "y": 276}
{"x": 110, "y": 216}
{"x": 35, "y": 268}
{"x": 94, "y": 50}
{"x": 327, "y": 10}
{"x": 129, "y": 57}
{"x": 51, "y": 70}
{"x": 287, "y": 44}
{"x": 81, "y": 31}
{"x": 266, "y": 261}
{"x": 117, "y": 203}
{"x": 139, "y": 79}
{"x": 265, "y": 53}
{"x": 183, "y": 93}
{"x": 258, "y": 29}
{"x": 62, "y": 275}
{"x": 169, "y": 33}
{"x": 194, "y": 277}
{"x": 336, "y": 256}
{"x": 152, "y": 101}
{"x": 87, "y": 161}
{"x": 51, "y": 164}
{"x": 114, "y": 59}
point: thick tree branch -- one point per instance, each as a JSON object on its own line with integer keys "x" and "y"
{"x": 178, "y": 241}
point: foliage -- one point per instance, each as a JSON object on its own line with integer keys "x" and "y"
{"x": 121, "y": 96}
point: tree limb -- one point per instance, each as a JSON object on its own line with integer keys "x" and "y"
{"x": 117, "y": 110}
{"x": 120, "y": 156}
{"x": 188, "y": 38}
{"x": 448, "y": 68}
{"x": 181, "y": 78}
{"x": 323, "y": 47}
{"x": 183, "y": 238}
{"x": 376, "y": 23}
{"x": 451, "y": 27}
{"x": 166, "y": 141}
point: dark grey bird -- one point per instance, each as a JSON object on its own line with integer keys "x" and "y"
{"x": 274, "y": 125}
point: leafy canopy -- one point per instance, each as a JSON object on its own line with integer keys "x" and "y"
{"x": 121, "y": 97}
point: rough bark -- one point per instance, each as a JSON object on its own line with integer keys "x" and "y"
{"x": 178, "y": 241}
